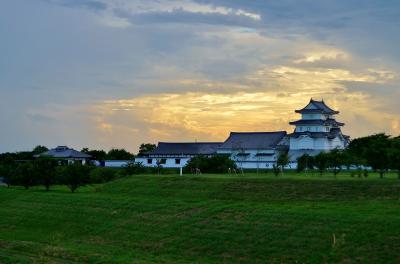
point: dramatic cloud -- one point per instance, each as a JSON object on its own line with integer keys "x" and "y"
{"x": 116, "y": 73}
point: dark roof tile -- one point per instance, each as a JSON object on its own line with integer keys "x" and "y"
{"x": 185, "y": 148}
{"x": 253, "y": 140}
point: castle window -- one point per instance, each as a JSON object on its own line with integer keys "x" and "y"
{"x": 177, "y": 161}
{"x": 149, "y": 161}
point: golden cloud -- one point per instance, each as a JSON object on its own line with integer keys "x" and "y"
{"x": 267, "y": 104}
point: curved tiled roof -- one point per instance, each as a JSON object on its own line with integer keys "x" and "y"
{"x": 334, "y": 132}
{"x": 319, "y": 106}
{"x": 253, "y": 140}
{"x": 185, "y": 148}
{"x": 327, "y": 122}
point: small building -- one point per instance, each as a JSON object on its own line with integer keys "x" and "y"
{"x": 176, "y": 155}
{"x": 68, "y": 154}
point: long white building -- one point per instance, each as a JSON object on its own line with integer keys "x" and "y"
{"x": 316, "y": 131}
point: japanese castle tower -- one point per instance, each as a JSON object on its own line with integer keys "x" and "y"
{"x": 316, "y": 131}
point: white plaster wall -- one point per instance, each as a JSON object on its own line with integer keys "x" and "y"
{"x": 252, "y": 161}
{"x": 301, "y": 143}
{"x": 313, "y": 116}
{"x": 170, "y": 162}
{"x": 116, "y": 163}
{"x": 337, "y": 143}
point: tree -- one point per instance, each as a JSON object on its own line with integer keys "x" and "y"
{"x": 134, "y": 168}
{"x": 99, "y": 155}
{"x": 6, "y": 172}
{"x": 214, "y": 164}
{"x": 335, "y": 160}
{"x": 39, "y": 150}
{"x": 305, "y": 162}
{"x": 394, "y": 155}
{"x": 45, "y": 171}
{"x": 283, "y": 160}
{"x": 372, "y": 151}
{"x": 74, "y": 175}
{"x": 146, "y": 147}
{"x": 321, "y": 162}
{"x": 119, "y": 154}
{"x": 23, "y": 156}
{"x": 24, "y": 175}
{"x": 377, "y": 154}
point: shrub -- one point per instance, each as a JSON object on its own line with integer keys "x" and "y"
{"x": 74, "y": 175}
{"x": 45, "y": 171}
{"x": 102, "y": 174}
{"x": 6, "y": 173}
{"x": 23, "y": 175}
{"x": 133, "y": 168}
{"x": 214, "y": 164}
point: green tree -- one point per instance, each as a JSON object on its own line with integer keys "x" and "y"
{"x": 6, "y": 173}
{"x": 305, "y": 162}
{"x": 134, "y": 168}
{"x": 372, "y": 151}
{"x": 394, "y": 155}
{"x": 23, "y": 156}
{"x": 39, "y": 150}
{"x": 335, "y": 160}
{"x": 283, "y": 160}
{"x": 24, "y": 175}
{"x": 74, "y": 175}
{"x": 377, "y": 154}
{"x": 119, "y": 154}
{"x": 214, "y": 164}
{"x": 146, "y": 147}
{"x": 99, "y": 155}
{"x": 45, "y": 171}
{"x": 321, "y": 162}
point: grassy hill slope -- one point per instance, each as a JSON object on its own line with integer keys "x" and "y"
{"x": 209, "y": 219}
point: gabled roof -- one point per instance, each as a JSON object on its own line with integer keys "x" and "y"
{"x": 327, "y": 122}
{"x": 317, "y": 106}
{"x": 253, "y": 140}
{"x": 185, "y": 148}
{"x": 65, "y": 152}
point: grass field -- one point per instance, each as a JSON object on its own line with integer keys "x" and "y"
{"x": 205, "y": 219}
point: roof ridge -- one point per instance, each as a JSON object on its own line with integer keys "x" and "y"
{"x": 258, "y": 132}
{"x": 202, "y": 142}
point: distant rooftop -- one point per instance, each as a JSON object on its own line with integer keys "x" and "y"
{"x": 64, "y": 152}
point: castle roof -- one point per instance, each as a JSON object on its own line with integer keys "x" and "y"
{"x": 327, "y": 122}
{"x": 185, "y": 148}
{"x": 333, "y": 133}
{"x": 253, "y": 140}
{"x": 317, "y": 107}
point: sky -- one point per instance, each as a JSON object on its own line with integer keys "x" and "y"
{"x": 117, "y": 73}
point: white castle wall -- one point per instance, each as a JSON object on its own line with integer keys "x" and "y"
{"x": 315, "y": 143}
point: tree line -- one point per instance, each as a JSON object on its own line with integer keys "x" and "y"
{"x": 380, "y": 152}
{"x": 27, "y": 170}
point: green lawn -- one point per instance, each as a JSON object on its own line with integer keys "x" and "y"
{"x": 256, "y": 218}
